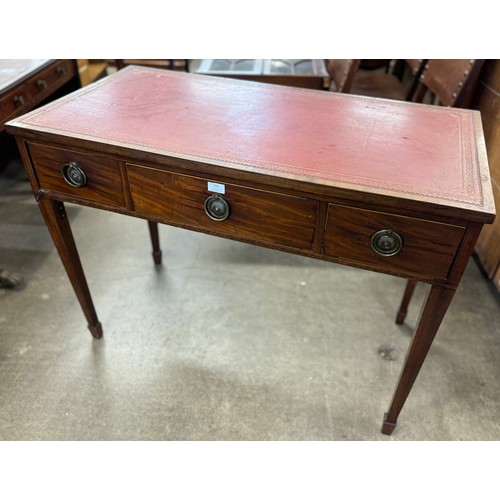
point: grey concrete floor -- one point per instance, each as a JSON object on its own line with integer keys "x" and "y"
{"x": 224, "y": 341}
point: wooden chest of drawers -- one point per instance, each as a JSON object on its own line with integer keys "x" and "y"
{"x": 393, "y": 187}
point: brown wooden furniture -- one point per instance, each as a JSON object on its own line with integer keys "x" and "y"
{"x": 342, "y": 72}
{"x": 449, "y": 82}
{"x": 347, "y": 77}
{"x": 306, "y": 73}
{"x": 415, "y": 68}
{"x": 388, "y": 186}
{"x": 172, "y": 64}
{"x": 91, "y": 70}
{"x": 445, "y": 82}
{"x": 25, "y": 83}
{"x": 488, "y": 102}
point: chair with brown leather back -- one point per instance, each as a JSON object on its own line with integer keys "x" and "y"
{"x": 374, "y": 83}
{"x": 446, "y": 82}
{"x": 449, "y": 82}
{"x": 409, "y": 72}
{"x": 347, "y": 77}
{"x": 342, "y": 73}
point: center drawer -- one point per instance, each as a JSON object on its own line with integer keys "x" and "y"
{"x": 391, "y": 243}
{"x": 253, "y": 215}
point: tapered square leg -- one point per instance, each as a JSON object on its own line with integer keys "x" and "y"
{"x": 60, "y": 230}
{"x": 403, "y": 308}
{"x": 155, "y": 240}
{"x": 435, "y": 307}
{"x": 388, "y": 427}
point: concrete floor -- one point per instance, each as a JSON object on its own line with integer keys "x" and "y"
{"x": 224, "y": 341}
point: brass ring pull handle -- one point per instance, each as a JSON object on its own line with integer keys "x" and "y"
{"x": 217, "y": 208}
{"x": 42, "y": 84}
{"x": 386, "y": 243}
{"x": 74, "y": 175}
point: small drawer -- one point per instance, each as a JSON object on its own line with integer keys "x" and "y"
{"x": 85, "y": 176}
{"x": 391, "y": 243}
{"x": 244, "y": 213}
{"x": 14, "y": 103}
{"x": 47, "y": 81}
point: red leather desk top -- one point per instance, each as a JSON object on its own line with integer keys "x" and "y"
{"x": 428, "y": 153}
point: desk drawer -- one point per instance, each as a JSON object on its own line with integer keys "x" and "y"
{"x": 14, "y": 103}
{"x": 427, "y": 248}
{"x": 49, "y": 80}
{"x": 254, "y": 215}
{"x": 103, "y": 178}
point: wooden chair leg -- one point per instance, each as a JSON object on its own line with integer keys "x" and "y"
{"x": 403, "y": 308}
{"x": 155, "y": 240}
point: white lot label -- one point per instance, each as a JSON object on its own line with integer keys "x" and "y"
{"x": 214, "y": 187}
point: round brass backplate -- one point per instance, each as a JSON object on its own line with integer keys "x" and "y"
{"x": 217, "y": 208}
{"x": 386, "y": 243}
{"x": 74, "y": 175}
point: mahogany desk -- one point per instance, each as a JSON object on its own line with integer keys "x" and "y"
{"x": 388, "y": 186}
